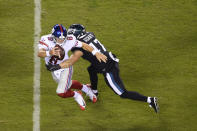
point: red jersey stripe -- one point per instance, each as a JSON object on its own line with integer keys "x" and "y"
{"x": 43, "y": 43}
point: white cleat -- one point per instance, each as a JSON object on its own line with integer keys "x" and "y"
{"x": 91, "y": 95}
{"x": 79, "y": 99}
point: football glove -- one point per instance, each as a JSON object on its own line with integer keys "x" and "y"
{"x": 51, "y": 67}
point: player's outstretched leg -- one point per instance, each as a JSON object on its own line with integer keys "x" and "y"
{"x": 136, "y": 96}
{"x": 114, "y": 81}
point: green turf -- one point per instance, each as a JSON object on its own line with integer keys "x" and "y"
{"x": 155, "y": 40}
{"x": 16, "y": 65}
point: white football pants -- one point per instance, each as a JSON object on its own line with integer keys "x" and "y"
{"x": 64, "y": 79}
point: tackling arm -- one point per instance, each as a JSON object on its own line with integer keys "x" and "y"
{"x": 73, "y": 59}
{"x": 98, "y": 55}
{"x": 87, "y": 47}
{"x": 67, "y": 63}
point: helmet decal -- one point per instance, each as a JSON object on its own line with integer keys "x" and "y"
{"x": 61, "y": 31}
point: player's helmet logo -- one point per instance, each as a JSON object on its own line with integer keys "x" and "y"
{"x": 76, "y": 30}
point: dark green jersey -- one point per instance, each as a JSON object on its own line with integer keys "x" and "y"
{"x": 90, "y": 39}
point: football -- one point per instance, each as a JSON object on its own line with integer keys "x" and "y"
{"x": 62, "y": 52}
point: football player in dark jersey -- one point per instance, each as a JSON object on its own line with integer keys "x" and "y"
{"x": 109, "y": 69}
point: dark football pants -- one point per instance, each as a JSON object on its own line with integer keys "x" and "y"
{"x": 114, "y": 81}
{"x": 93, "y": 77}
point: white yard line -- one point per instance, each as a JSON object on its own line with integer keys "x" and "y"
{"x": 36, "y": 95}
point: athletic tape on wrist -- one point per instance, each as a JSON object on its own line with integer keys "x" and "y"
{"x": 47, "y": 53}
{"x": 94, "y": 52}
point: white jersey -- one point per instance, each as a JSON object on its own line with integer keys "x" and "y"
{"x": 47, "y": 42}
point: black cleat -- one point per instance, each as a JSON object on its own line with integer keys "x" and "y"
{"x": 154, "y": 104}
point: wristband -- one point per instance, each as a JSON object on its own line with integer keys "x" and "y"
{"x": 47, "y": 53}
{"x": 94, "y": 52}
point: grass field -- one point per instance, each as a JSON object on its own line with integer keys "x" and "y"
{"x": 155, "y": 40}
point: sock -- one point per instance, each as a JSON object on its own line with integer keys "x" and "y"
{"x": 76, "y": 94}
{"x": 95, "y": 91}
{"x": 76, "y": 85}
{"x": 68, "y": 93}
{"x": 85, "y": 89}
{"x": 148, "y": 100}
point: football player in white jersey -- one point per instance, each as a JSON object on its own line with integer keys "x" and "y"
{"x": 63, "y": 76}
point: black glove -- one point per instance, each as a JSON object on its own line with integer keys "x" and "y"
{"x": 51, "y": 67}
